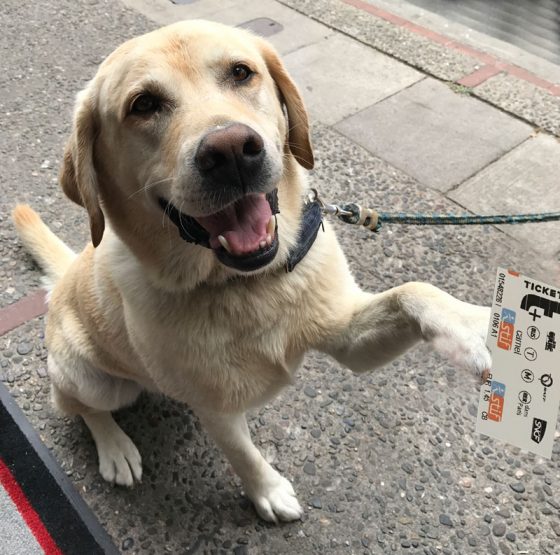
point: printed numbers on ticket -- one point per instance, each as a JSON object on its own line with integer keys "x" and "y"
{"x": 519, "y": 400}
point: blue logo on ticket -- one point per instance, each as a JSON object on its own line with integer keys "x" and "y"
{"x": 519, "y": 400}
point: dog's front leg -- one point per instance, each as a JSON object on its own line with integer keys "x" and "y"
{"x": 378, "y": 328}
{"x": 272, "y": 494}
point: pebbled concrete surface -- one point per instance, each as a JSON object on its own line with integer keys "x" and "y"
{"x": 384, "y": 463}
{"x": 38, "y": 82}
{"x": 523, "y": 99}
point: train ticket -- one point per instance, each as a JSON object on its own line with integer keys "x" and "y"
{"x": 520, "y": 398}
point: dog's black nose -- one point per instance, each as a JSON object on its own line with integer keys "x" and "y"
{"x": 230, "y": 155}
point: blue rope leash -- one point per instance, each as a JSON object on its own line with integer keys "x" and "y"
{"x": 353, "y": 213}
{"x": 372, "y": 219}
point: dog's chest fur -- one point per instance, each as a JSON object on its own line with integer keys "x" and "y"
{"x": 229, "y": 345}
{"x": 232, "y": 344}
{"x": 225, "y": 348}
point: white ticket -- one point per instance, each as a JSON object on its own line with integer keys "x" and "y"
{"x": 519, "y": 400}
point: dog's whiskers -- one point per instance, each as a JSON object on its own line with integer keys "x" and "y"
{"x": 180, "y": 219}
{"x": 165, "y": 215}
{"x": 293, "y": 146}
{"x": 294, "y": 125}
{"x": 149, "y": 185}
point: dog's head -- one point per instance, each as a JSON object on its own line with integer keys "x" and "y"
{"x": 190, "y": 120}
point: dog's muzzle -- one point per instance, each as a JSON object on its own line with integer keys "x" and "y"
{"x": 243, "y": 235}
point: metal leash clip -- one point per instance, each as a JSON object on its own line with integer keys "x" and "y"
{"x": 330, "y": 209}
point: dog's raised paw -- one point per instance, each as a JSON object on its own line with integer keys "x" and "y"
{"x": 460, "y": 336}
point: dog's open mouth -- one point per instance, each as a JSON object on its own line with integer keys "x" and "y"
{"x": 243, "y": 235}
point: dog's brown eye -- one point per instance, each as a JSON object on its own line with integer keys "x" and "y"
{"x": 145, "y": 104}
{"x": 241, "y": 72}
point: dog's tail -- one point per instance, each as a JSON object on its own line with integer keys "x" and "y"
{"x": 47, "y": 249}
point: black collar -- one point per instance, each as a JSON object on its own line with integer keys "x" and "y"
{"x": 311, "y": 221}
{"x": 312, "y": 218}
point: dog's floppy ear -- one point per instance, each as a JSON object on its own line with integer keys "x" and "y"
{"x": 77, "y": 175}
{"x": 298, "y": 123}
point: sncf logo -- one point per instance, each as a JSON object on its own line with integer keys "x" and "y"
{"x": 507, "y": 329}
{"x": 538, "y": 430}
{"x": 496, "y": 401}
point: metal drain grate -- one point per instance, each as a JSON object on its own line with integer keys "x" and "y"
{"x": 533, "y": 25}
{"x": 263, "y": 26}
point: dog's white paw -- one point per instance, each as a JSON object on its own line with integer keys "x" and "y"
{"x": 274, "y": 498}
{"x": 460, "y": 335}
{"x": 119, "y": 459}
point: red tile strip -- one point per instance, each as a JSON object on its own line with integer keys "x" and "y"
{"x": 492, "y": 66}
{"x": 521, "y": 73}
{"x": 479, "y": 76}
{"x": 22, "y": 311}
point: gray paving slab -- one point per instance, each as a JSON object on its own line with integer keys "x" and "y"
{"x": 523, "y": 99}
{"x": 164, "y": 12}
{"x": 335, "y": 88}
{"x": 420, "y": 52}
{"x": 437, "y": 135}
{"x": 524, "y": 180}
{"x": 298, "y": 30}
{"x": 382, "y": 463}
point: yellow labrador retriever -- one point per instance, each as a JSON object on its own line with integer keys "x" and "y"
{"x": 188, "y": 152}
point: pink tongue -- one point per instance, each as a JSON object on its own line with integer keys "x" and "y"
{"x": 243, "y": 224}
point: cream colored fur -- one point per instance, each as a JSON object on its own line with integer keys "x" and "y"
{"x": 42, "y": 243}
{"x": 145, "y": 310}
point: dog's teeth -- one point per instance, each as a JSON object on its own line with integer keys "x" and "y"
{"x": 269, "y": 239}
{"x": 262, "y": 244}
{"x": 271, "y": 226}
{"x": 224, "y": 243}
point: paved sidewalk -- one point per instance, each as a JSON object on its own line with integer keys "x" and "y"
{"x": 405, "y": 118}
